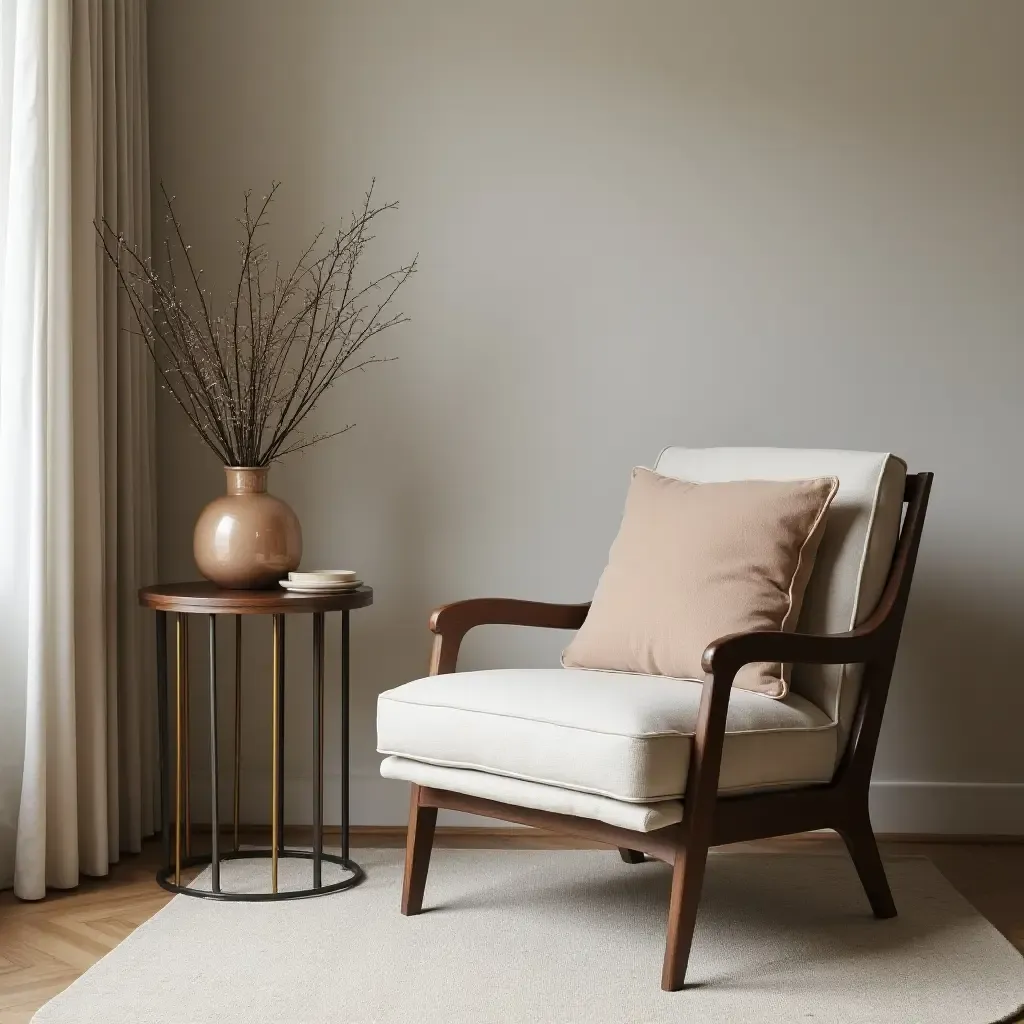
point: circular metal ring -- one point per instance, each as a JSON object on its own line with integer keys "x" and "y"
{"x": 163, "y": 876}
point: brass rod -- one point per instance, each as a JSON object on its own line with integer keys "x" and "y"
{"x": 179, "y": 649}
{"x": 238, "y": 720}
{"x": 187, "y": 742}
{"x": 164, "y": 740}
{"x": 275, "y": 757}
{"x": 281, "y": 660}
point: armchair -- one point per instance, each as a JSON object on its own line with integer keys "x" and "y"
{"x": 669, "y": 768}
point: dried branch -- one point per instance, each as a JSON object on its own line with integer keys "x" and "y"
{"x": 248, "y": 379}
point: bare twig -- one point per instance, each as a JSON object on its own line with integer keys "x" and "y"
{"x": 247, "y": 380}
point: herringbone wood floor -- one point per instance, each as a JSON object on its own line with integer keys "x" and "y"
{"x": 44, "y": 946}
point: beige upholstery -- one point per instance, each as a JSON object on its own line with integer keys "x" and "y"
{"x": 616, "y": 747}
{"x": 638, "y": 817}
{"x": 612, "y": 734}
{"x": 854, "y": 556}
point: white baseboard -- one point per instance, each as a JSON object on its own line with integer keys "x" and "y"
{"x": 948, "y": 808}
{"x": 908, "y": 808}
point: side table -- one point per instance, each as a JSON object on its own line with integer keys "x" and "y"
{"x": 187, "y": 599}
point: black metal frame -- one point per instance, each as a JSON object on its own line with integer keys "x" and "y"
{"x": 163, "y": 876}
{"x": 168, "y": 874}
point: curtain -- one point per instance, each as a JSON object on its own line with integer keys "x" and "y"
{"x": 78, "y": 780}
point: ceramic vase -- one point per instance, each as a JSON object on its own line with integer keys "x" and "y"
{"x": 247, "y": 539}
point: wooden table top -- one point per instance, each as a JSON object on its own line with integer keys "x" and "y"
{"x": 207, "y": 598}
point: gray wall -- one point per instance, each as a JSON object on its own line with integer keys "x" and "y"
{"x": 708, "y": 223}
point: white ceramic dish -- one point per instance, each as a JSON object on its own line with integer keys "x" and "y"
{"x": 323, "y": 575}
{"x": 324, "y": 587}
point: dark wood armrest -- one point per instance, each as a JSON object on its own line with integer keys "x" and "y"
{"x": 729, "y": 654}
{"x": 451, "y": 622}
{"x": 506, "y": 611}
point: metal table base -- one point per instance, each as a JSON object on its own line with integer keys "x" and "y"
{"x": 177, "y": 791}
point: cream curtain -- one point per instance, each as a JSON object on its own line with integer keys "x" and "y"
{"x": 78, "y": 781}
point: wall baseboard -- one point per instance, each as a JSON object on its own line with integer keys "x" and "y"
{"x": 955, "y": 809}
{"x": 517, "y": 836}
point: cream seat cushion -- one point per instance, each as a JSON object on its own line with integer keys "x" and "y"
{"x": 622, "y": 736}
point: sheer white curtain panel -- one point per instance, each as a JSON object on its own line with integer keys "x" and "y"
{"x": 78, "y": 780}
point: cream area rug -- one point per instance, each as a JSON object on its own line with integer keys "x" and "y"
{"x": 560, "y": 938}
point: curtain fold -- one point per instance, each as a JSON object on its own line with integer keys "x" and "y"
{"x": 77, "y": 520}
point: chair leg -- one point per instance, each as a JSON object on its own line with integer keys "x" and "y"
{"x": 860, "y": 841}
{"x": 631, "y": 856}
{"x": 687, "y": 879}
{"x": 418, "y": 843}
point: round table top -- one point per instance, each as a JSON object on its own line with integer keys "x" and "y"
{"x": 205, "y": 597}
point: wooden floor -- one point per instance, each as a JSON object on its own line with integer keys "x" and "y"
{"x": 44, "y": 946}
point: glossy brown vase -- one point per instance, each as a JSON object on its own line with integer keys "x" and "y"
{"x": 247, "y": 539}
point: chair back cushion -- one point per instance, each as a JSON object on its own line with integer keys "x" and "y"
{"x": 855, "y": 553}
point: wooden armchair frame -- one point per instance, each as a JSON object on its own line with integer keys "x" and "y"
{"x": 708, "y": 820}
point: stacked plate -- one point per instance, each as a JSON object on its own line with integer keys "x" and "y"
{"x": 322, "y": 581}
